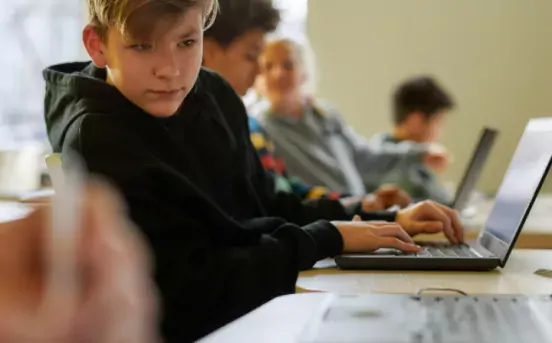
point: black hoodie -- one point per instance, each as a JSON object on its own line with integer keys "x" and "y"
{"x": 223, "y": 241}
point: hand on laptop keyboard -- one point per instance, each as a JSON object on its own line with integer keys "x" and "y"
{"x": 431, "y": 217}
{"x": 359, "y": 236}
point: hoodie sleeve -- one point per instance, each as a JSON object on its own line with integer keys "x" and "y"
{"x": 410, "y": 174}
{"x": 374, "y": 161}
{"x": 200, "y": 273}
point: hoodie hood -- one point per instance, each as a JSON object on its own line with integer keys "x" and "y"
{"x": 72, "y": 90}
{"x": 79, "y": 88}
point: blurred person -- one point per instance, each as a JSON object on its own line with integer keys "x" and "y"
{"x": 232, "y": 47}
{"x": 312, "y": 137}
{"x": 115, "y": 296}
{"x": 420, "y": 108}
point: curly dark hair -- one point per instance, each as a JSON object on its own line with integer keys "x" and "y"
{"x": 236, "y": 17}
{"x": 420, "y": 94}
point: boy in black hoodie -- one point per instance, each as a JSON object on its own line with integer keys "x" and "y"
{"x": 174, "y": 139}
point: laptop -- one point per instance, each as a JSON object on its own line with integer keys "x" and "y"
{"x": 395, "y": 318}
{"x": 516, "y": 195}
{"x": 474, "y": 169}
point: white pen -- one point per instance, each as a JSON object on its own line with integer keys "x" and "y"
{"x": 63, "y": 279}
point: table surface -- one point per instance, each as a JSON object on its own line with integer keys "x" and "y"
{"x": 283, "y": 319}
{"x": 518, "y": 276}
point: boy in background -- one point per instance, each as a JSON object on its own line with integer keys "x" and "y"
{"x": 232, "y": 47}
{"x": 173, "y": 138}
{"x": 420, "y": 107}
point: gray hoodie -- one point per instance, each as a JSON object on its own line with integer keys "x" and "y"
{"x": 321, "y": 149}
{"x": 412, "y": 176}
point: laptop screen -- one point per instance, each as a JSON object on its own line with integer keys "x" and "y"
{"x": 520, "y": 184}
{"x": 475, "y": 167}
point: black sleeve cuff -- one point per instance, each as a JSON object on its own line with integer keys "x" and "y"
{"x": 313, "y": 242}
{"x": 327, "y": 238}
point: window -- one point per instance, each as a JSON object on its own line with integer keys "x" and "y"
{"x": 34, "y": 34}
{"x": 294, "y": 18}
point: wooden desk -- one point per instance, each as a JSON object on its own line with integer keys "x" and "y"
{"x": 517, "y": 277}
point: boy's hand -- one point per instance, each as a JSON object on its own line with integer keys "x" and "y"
{"x": 115, "y": 301}
{"x": 437, "y": 158}
{"x": 385, "y": 197}
{"x": 359, "y": 236}
{"x": 371, "y": 202}
{"x": 431, "y": 217}
{"x": 390, "y": 195}
{"x": 368, "y": 202}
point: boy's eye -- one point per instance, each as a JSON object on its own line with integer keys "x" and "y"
{"x": 186, "y": 43}
{"x": 141, "y": 47}
{"x": 251, "y": 57}
{"x": 288, "y": 65}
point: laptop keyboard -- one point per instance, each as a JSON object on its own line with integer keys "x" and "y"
{"x": 442, "y": 250}
{"x": 431, "y": 318}
{"x": 485, "y": 319}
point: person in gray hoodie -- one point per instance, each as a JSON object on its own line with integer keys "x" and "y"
{"x": 312, "y": 137}
{"x": 420, "y": 107}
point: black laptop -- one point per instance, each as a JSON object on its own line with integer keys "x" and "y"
{"x": 516, "y": 195}
{"x": 474, "y": 169}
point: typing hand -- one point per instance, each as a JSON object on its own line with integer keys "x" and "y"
{"x": 431, "y": 217}
{"x": 115, "y": 301}
{"x": 390, "y": 195}
{"x": 359, "y": 236}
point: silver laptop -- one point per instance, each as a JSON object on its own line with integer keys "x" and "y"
{"x": 393, "y": 318}
{"x": 474, "y": 169}
{"x": 516, "y": 195}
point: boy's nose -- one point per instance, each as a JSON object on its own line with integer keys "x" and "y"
{"x": 167, "y": 67}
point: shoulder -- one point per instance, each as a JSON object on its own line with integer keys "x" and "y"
{"x": 102, "y": 132}
{"x": 217, "y": 90}
{"x": 326, "y": 108}
{"x": 328, "y": 111}
{"x": 329, "y": 114}
{"x": 210, "y": 82}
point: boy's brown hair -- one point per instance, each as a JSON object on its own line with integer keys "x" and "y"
{"x": 139, "y": 18}
{"x": 237, "y": 17}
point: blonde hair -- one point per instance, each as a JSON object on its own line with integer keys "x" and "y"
{"x": 306, "y": 59}
{"x": 138, "y": 18}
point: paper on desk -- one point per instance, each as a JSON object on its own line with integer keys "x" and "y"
{"x": 13, "y": 211}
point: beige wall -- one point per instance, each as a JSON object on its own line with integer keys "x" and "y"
{"x": 494, "y": 56}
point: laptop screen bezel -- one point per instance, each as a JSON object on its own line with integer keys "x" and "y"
{"x": 486, "y": 139}
{"x": 498, "y": 246}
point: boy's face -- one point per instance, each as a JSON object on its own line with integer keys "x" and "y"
{"x": 157, "y": 74}
{"x": 425, "y": 130}
{"x": 238, "y": 62}
{"x": 281, "y": 70}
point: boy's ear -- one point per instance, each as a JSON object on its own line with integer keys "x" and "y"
{"x": 94, "y": 46}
